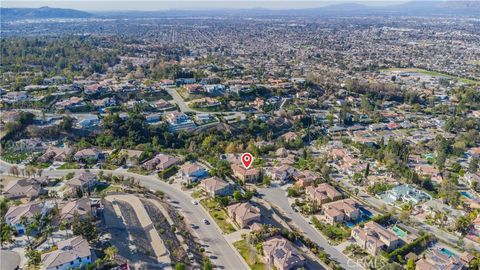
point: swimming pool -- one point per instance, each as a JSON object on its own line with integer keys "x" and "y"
{"x": 447, "y": 252}
{"x": 399, "y": 232}
{"x": 467, "y": 194}
{"x": 365, "y": 215}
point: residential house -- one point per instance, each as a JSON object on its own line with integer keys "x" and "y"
{"x": 280, "y": 173}
{"x": 281, "y": 254}
{"x": 341, "y": 211}
{"x": 16, "y": 214}
{"x": 251, "y": 175}
{"x": 215, "y": 186}
{"x": 405, "y": 193}
{"x": 133, "y": 156}
{"x": 438, "y": 259}
{"x": 290, "y": 136}
{"x": 28, "y": 188}
{"x": 438, "y": 206}
{"x": 70, "y": 253}
{"x": 87, "y": 154}
{"x": 55, "y": 154}
{"x": 85, "y": 181}
{"x": 192, "y": 172}
{"x": 16, "y": 96}
{"x": 163, "y": 105}
{"x": 244, "y": 214}
{"x": 305, "y": 178}
{"x": 179, "y": 121}
{"x": 80, "y": 207}
{"x": 88, "y": 121}
{"x": 161, "y": 162}
{"x": 322, "y": 194}
{"x": 374, "y": 238}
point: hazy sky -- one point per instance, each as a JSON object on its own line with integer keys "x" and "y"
{"x": 184, "y": 4}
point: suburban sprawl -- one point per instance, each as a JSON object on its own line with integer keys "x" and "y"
{"x": 121, "y": 142}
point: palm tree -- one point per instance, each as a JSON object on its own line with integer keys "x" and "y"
{"x": 24, "y": 222}
{"x": 7, "y": 233}
{"x": 110, "y": 253}
{"x": 64, "y": 226}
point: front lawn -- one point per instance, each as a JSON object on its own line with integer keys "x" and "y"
{"x": 218, "y": 214}
{"x": 197, "y": 194}
{"x": 69, "y": 166}
{"x": 249, "y": 254}
{"x": 13, "y": 157}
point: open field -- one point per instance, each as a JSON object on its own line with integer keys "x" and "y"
{"x": 433, "y": 73}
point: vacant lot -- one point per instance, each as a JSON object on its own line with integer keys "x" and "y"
{"x": 250, "y": 255}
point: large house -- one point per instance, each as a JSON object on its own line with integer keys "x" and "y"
{"x": 28, "y": 188}
{"x": 15, "y": 215}
{"x": 281, "y": 254}
{"x": 244, "y": 214}
{"x": 341, "y": 211}
{"x": 322, "y": 194}
{"x": 80, "y": 207}
{"x": 161, "y": 162}
{"x": 251, "y": 175}
{"x": 55, "y": 154}
{"x": 179, "y": 121}
{"x": 215, "y": 186}
{"x": 192, "y": 172}
{"x": 87, "y": 154}
{"x": 280, "y": 173}
{"x": 85, "y": 181}
{"x": 374, "y": 238}
{"x": 70, "y": 253}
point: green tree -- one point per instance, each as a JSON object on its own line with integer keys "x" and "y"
{"x": 110, "y": 253}
{"x": 473, "y": 165}
{"x": 85, "y": 227}
{"x": 34, "y": 258}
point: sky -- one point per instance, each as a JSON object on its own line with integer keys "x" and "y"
{"x": 106, "y": 5}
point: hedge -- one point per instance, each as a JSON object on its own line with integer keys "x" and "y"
{"x": 421, "y": 241}
{"x": 165, "y": 174}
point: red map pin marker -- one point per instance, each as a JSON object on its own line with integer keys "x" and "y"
{"x": 247, "y": 159}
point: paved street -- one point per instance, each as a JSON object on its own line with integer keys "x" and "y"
{"x": 277, "y": 197}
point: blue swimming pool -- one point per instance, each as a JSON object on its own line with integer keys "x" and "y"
{"x": 467, "y": 194}
{"x": 365, "y": 216}
{"x": 447, "y": 252}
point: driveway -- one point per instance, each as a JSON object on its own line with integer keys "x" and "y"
{"x": 10, "y": 260}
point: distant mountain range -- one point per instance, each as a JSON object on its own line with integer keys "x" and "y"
{"x": 41, "y": 13}
{"x": 413, "y": 8}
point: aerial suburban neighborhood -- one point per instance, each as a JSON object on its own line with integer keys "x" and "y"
{"x": 335, "y": 137}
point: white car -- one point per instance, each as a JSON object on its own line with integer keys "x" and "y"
{"x": 194, "y": 202}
